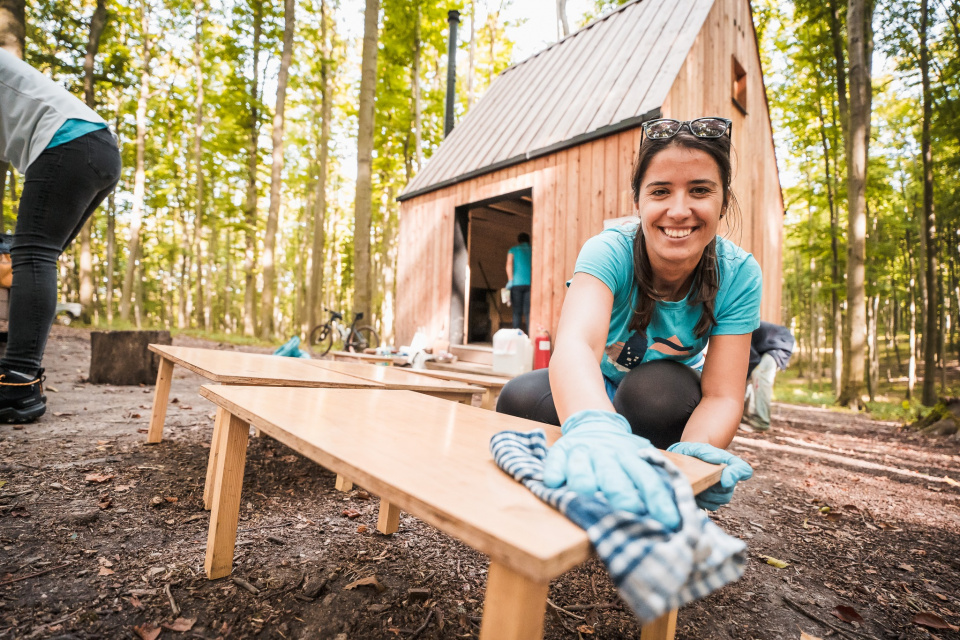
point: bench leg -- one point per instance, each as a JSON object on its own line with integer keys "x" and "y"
{"x": 514, "y": 606}
{"x": 388, "y": 520}
{"x": 160, "y": 397}
{"x": 663, "y": 628}
{"x": 228, "y": 480}
{"x": 222, "y": 417}
{"x": 343, "y": 484}
{"x": 489, "y": 401}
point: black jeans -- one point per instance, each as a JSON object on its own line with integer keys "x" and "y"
{"x": 520, "y": 301}
{"x": 61, "y": 190}
{"x": 656, "y": 398}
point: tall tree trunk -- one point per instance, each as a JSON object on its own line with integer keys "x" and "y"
{"x": 97, "y": 23}
{"x": 199, "y": 16}
{"x": 859, "y": 13}
{"x": 929, "y": 396}
{"x": 250, "y": 207}
{"x": 363, "y": 208}
{"x": 112, "y": 225}
{"x": 562, "y": 17}
{"x": 912, "y": 362}
{"x": 13, "y": 26}
{"x": 836, "y": 367}
{"x": 415, "y": 91}
{"x": 139, "y": 181}
{"x": 317, "y": 261}
{"x": 472, "y": 55}
{"x": 276, "y": 176}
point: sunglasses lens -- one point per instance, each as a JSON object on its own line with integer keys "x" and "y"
{"x": 659, "y": 129}
{"x": 708, "y": 127}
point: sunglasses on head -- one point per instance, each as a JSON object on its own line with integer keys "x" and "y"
{"x": 665, "y": 128}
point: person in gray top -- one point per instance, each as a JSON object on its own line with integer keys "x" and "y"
{"x": 70, "y": 163}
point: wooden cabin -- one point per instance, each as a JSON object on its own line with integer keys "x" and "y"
{"x": 549, "y": 150}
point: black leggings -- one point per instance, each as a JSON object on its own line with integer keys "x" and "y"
{"x": 61, "y": 190}
{"x": 656, "y": 398}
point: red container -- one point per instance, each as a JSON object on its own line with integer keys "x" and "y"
{"x": 541, "y": 350}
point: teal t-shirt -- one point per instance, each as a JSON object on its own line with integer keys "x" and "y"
{"x": 670, "y": 334}
{"x": 73, "y": 129}
{"x": 521, "y": 264}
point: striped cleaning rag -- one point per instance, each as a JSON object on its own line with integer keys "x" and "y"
{"x": 655, "y": 569}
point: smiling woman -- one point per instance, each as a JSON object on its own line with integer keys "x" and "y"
{"x": 631, "y": 368}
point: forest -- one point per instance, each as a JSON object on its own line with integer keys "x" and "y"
{"x": 264, "y": 145}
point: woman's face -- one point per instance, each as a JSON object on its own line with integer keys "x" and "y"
{"x": 680, "y": 204}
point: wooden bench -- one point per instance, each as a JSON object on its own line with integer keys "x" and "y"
{"x": 465, "y": 367}
{"x": 369, "y": 358}
{"x": 431, "y": 459}
{"x": 492, "y": 385}
{"x": 237, "y": 367}
{"x": 404, "y": 379}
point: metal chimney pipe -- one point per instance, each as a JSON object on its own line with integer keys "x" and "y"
{"x": 453, "y": 17}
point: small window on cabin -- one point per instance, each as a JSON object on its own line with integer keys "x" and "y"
{"x": 739, "y": 86}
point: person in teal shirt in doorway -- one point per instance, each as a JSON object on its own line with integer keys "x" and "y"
{"x": 518, "y": 281}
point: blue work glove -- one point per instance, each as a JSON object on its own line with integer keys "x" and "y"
{"x": 598, "y": 452}
{"x": 509, "y": 284}
{"x": 735, "y": 471}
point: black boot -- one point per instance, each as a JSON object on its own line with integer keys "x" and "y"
{"x": 21, "y": 398}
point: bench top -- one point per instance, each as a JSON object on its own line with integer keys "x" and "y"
{"x": 430, "y": 458}
{"x": 367, "y": 357}
{"x": 238, "y": 367}
{"x": 488, "y": 382}
{"x": 395, "y": 378}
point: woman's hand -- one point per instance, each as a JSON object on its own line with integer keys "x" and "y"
{"x": 598, "y": 451}
{"x": 735, "y": 471}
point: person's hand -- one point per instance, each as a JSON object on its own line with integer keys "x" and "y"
{"x": 510, "y": 283}
{"x": 735, "y": 471}
{"x": 598, "y": 451}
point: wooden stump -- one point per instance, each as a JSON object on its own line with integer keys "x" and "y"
{"x": 122, "y": 357}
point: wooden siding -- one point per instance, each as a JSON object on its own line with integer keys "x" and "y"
{"x": 704, "y": 86}
{"x": 618, "y": 68}
{"x": 576, "y": 189}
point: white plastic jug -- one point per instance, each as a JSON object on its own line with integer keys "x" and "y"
{"x": 512, "y": 352}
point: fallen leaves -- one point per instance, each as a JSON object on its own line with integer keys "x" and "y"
{"x": 807, "y": 636}
{"x": 350, "y": 513}
{"x": 848, "y": 614}
{"x": 774, "y": 562}
{"x": 369, "y": 581}
{"x": 147, "y": 631}
{"x": 931, "y": 620}
{"x": 100, "y": 477}
{"x": 105, "y": 572}
{"x": 181, "y": 624}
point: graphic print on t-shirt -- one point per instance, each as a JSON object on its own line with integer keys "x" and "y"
{"x": 627, "y": 355}
{"x": 671, "y": 346}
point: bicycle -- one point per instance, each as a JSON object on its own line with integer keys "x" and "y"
{"x": 353, "y": 338}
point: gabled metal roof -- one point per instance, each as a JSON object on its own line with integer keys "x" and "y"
{"x": 610, "y": 75}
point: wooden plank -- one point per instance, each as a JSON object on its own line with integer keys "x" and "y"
{"x": 161, "y": 395}
{"x": 663, "y": 628}
{"x": 394, "y": 378}
{"x": 514, "y": 605}
{"x": 598, "y": 183}
{"x": 611, "y": 176}
{"x": 222, "y": 536}
{"x": 343, "y": 484}
{"x": 237, "y": 367}
{"x": 570, "y": 226}
{"x": 432, "y": 460}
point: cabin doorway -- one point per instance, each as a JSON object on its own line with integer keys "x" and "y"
{"x": 483, "y": 235}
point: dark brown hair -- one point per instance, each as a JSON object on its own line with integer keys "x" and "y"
{"x": 706, "y": 275}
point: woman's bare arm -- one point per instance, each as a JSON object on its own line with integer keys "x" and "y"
{"x": 575, "y": 378}
{"x": 723, "y": 383}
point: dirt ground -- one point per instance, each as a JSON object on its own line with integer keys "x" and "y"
{"x": 102, "y": 534}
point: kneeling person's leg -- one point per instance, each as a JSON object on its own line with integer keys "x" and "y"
{"x": 657, "y": 398}
{"x": 529, "y": 396}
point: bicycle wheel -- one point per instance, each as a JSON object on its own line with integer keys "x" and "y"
{"x": 363, "y": 338}
{"x": 321, "y": 340}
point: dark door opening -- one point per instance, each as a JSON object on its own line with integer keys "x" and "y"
{"x": 484, "y": 233}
